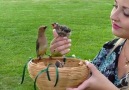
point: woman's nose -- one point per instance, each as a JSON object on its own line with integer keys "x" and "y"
{"x": 114, "y": 15}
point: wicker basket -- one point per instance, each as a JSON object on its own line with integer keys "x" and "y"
{"x": 73, "y": 73}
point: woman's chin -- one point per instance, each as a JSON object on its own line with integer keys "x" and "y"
{"x": 116, "y": 33}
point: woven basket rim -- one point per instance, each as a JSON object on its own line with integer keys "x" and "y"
{"x": 71, "y": 72}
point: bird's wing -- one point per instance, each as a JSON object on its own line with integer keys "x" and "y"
{"x": 37, "y": 47}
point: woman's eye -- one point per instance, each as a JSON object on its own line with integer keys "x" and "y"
{"x": 126, "y": 12}
{"x": 127, "y": 15}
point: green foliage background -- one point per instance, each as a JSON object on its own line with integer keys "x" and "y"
{"x": 19, "y": 22}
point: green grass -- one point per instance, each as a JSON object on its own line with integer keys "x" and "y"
{"x": 20, "y": 19}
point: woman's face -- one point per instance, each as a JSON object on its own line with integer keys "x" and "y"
{"x": 120, "y": 18}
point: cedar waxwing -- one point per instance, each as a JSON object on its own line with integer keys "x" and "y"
{"x": 41, "y": 43}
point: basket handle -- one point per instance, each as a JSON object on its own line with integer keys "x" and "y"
{"x": 47, "y": 71}
{"x": 24, "y": 70}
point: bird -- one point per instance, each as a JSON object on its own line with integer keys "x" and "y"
{"x": 62, "y": 30}
{"x": 41, "y": 42}
{"x": 59, "y": 64}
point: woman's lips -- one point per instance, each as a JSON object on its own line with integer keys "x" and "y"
{"x": 115, "y": 26}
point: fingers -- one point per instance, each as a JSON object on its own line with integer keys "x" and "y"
{"x": 60, "y": 44}
{"x": 86, "y": 84}
{"x": 55, "y": 33}
{"x": 72, "y": 89}
{"x": 59, "y": 47}
{"x": 69, "y": 89}
{"x": 92, "y": 68}
{"x": 83, "y": 86}
{"x": 63, "y": 49}
{"x": 60, "y": 40}
{"x": 63, "y": 52}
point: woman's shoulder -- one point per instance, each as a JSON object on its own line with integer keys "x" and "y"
{"x": 110, "y": 44}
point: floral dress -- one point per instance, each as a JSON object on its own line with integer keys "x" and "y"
{"x": 107, "y": 65}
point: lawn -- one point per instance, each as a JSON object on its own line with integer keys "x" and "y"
{"x": 19, "y": 22}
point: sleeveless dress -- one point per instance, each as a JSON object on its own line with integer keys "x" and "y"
{"x": 107, "y": 65}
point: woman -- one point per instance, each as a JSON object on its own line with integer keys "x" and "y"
{"x": 110, "y": 68}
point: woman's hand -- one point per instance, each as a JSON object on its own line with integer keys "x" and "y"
{"x": 59, "y": 45}
{"x": 97, "y": 81}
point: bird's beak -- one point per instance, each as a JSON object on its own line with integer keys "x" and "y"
{"x": 45, "y": 27}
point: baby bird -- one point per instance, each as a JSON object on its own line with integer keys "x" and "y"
{"x": 59, "y": 64}
{"x": 62, "y": 30}
{"x": 41, "y": 43}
